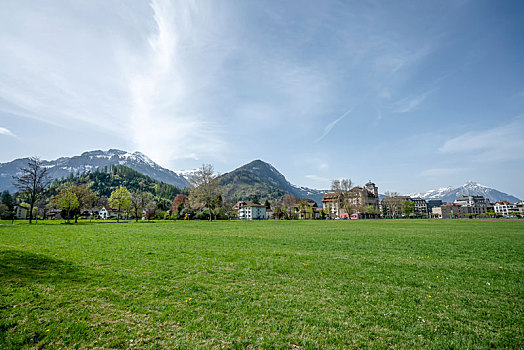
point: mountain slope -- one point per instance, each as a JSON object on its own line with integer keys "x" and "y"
{"x": 102, "y": 183}
{"x": 262, "y": 179}
{"x": 470, "y": 188}
{"x": 90, "y": 161}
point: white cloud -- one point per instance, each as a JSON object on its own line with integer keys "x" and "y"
{"x": 5, "y": 131}
{"x": 497, "y": 144}
{"x": 166, "y": 122}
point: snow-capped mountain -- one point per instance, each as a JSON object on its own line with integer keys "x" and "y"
{"x": 470, "y": 188}
{"x": 186, "y": 174}
{"x": 90, "y": 161}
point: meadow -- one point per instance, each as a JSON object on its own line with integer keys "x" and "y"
{"x": 276, "y": 284}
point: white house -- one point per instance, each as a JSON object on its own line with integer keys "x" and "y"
{"x": 104, "y": 214}
{"x": 252, "y": 212}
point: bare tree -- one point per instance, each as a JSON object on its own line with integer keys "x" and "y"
{"x": 32, "y": 182}
{"x": 139, "y": 202}
{"x": 346, "y": 197}
{"x": 204, "y": 187}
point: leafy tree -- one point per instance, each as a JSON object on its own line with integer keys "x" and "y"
{"x": 120, "y": 200}
{"x": 68, "y": 203}
{"x": 283, "y": 210}
{"x": 86, "y": 199}
{"x": 32, "y": 182}
{"x": 408, "y": 207}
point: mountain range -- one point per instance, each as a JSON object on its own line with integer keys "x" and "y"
{"x": 470, "y": 188}
{"x": 89, "y": 161}
{"x": 256, "y": 177}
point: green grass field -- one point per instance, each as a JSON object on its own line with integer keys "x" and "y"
{"x": 308, "y": 284}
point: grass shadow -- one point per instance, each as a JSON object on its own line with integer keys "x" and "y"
{"x": 16, "y": 265}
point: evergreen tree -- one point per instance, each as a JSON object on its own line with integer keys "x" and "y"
{"x": 255, "y": 200}
{"x": 8, "y": 200}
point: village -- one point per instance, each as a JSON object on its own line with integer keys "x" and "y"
{"x": 354, "y": 204}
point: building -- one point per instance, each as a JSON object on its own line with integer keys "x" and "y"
{"x": 239, "y": 205}
{"x": 252, "y": 212}
{"x": 366, "y": 196}
{"x": 331, "y": 203}
{"x": 453, "y": 211}
{"x": 359, "y": 200}
{"x": 21, "y": 212}
{"x": 392, "y": 206}
{"x": 433, "y": 203}
{"x": 475, "y": 204}
{"x": 505, "y": 208}
{"x": 520, "y": 207}
{"x": 421, "y": 206}
{"x": 104, "y": 214}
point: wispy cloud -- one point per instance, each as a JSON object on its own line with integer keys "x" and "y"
{"x": 330, "y": 126}
{"x": 5, "y": 131}
{"x": 163, "y": 122}
{"x": 409, "y": 104}
{"x": 497, "y": 144}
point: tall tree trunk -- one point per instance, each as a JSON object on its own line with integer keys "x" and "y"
{"x": 31, "y": 213}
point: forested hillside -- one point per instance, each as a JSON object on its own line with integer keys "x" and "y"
{"x": 103, "y": 181}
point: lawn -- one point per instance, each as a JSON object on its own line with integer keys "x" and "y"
{"x": 293, "y": 284}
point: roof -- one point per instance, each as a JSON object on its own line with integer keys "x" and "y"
{"x": 255, "y": 205}
{"x": 451, "y": 205}
{"x": 331, "y": 197}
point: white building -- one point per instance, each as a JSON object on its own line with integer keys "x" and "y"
{"x": 104, "y": 214}
{"x": 252, "y": 212}
{"x": 505, "y": 208}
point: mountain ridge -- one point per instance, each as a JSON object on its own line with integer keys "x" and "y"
{"x": 470, "y": 188}
{"x": 90, "y": 161}
{"x": 256, "y": 177}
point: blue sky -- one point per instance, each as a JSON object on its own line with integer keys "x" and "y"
{"x": 413, "y": 95}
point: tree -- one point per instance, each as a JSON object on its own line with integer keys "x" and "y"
{"x": 7, "y": 200}
{"x": 408, "y": 207}
{"x": 86, "y": 198}
{"x": 32, "y": 182}
{"x": 290, "y": 200}
{"x": 68, "y": 203}
{"x": 204, "y": 187}
{"x": 139, "y": 202}
{"x": 346, "y": 197}
{"x": 267, "y": 205}
{"x": 5, "y": 213}
{"x": 255, "y": 200}
{"x": 180, "y": 199}
{"x": 120, "y": 200}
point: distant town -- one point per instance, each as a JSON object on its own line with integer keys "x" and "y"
{"x": 119, "y": 192}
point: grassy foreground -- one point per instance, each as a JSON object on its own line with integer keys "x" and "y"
{"x": 377, "y": 283}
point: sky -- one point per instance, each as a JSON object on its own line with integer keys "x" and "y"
{"x": 413, "y": 95}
